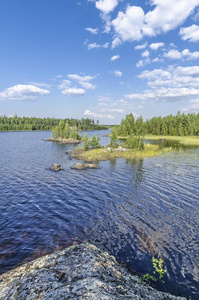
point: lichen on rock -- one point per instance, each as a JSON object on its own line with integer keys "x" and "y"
{"x": 78, "y": 272}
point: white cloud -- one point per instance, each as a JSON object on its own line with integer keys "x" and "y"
{"x": 64, "y": 84}
{"x": 133, "y": 24}
{"x": 164, "y": 19}
{"x": 190, "y": 55}
{"x": 110, "y": 116}
{"x": 193, "y": 105}
{"x": 103, "y": 99}
{"x": 40, "y": 84}
{"x": 156, "y": 46}
{"x": 22, "y": 92}
{"x": 106, "y": 6}
{"x": 145, "y": 53}
{"x": 173, "y": 54}
{"x": 140, "y": 47}
{"x": 166, "y": 94}
{"x": 97, "y": 46}
{"x": 172, "y": 84}
{"x": 128, "y": 25}
{"x": 190, "y": 33}
{"x": 95, "y": 115}
{"x": 117, "y": 73}
{"x": 172, "y": 77}
{"x": 92, "y": 30}
{"x": 184, "y": 55}
{"x": 116, "y": 42}
{"x": 115, "y": 57}
{"x": 117, "y": 110}
{"x": 74, "y": 92}
{"x": 84, "y": 81}
{"x": 143, "y": 62}
{"x": 92, "y": 114}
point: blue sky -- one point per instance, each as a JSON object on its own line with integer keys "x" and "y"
{"x": 99, "y": 59}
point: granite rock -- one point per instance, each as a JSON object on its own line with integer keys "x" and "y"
{"x": 76, "y": 273}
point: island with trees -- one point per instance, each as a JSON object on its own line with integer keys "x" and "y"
{"x": 127, "y": 139}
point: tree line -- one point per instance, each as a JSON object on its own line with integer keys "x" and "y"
{"x": 32, "y": 123}
{"x": 179, "y": 125}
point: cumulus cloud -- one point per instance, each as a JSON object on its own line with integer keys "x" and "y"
{"x": 173, "y": 54}
{"x": 97, "y": 46}
{"x": 22, "y": 92}
{"x": 84, "y": 81}
{"x": 145, "y": 53}
{"x": 128, "y": 25}
{"x": 115, "y": 57}
{"x": 166, "y": 94}
{"x": 143, "y": 62}
{"x": 106, "y": 6}
{"x": 92, "y": 30}
{"x": 74, "y": 92}
{"x": 156, "y": 46}
{"x": 116, "y": 42}
{"x": 172, "y": 77}
{"x": 75, "y": 79}
{"x": 142, "y": 46}
{"x": 184, "y": 55}
{"x": 95, "y": 115}
{"x": 133, "y": 24}
{"x": 164, "y": 19}
{"x": 117, "y": 110}
{"x": 65, "y": 84}
{"x": 190, "y": 33}
{"x": 117, "y": 73}
{"x": 172, "y": 84}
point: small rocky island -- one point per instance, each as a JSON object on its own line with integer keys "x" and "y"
{"x": 56, "y": 167}
{"x": 78, "y": 272}
{"x": 63, "y": 141}
{"x": 85, "y": 166}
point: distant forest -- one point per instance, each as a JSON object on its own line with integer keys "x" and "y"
{"x": 179, "y": 125}
{"x": 28, "y": 124}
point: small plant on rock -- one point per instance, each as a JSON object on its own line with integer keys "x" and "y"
{"x": 158, "y": 272}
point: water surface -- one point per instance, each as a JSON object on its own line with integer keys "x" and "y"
{"x": 133, "y": 209}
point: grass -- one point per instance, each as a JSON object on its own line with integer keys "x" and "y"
{"x": 183, "y": 140}
{"x": 102, "y": 154}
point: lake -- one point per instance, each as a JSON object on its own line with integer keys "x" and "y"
{"x": 133, "y": 209}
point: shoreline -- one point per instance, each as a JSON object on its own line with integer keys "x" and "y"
{"x": 81, "y": 271}
{"x": 63, "y": 141}
{"x": 103, "y": 154}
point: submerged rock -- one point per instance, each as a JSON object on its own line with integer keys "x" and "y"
{"x": 79, "y": 272}
{"x": 56, "y": 167}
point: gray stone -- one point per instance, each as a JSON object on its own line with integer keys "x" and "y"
{"x": 76, "y": 273}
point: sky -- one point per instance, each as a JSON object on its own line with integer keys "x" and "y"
{"x": 99, "y": 59}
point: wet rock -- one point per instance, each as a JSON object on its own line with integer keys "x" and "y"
{"x": 85, "y": 166}
{"x": 56, "y": 167}
{"x": 79, "y": 272}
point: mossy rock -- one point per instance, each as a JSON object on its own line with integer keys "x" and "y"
{"x": 56, "y": 167}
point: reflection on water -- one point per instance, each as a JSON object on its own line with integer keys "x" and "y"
{"x": 133, "y": 209}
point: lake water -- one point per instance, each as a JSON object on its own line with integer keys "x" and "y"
{"x": 132, "y": 209}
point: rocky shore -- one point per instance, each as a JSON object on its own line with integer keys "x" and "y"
{"x": 76, "y": 273}
{"x": 63, "y": 141}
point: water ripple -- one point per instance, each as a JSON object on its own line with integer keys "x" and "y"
{"x": 133, "y": 209}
